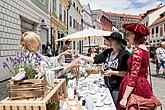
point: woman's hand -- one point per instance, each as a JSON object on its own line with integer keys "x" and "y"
{"x": 77, "y": 56}
{"x": 67, "y": 52}
{"x": 123, "y": 102}
{"x": 73, "y": 65}
{"x": 108, "y": 72}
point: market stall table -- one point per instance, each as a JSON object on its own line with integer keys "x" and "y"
{"x": 96, "y": 95}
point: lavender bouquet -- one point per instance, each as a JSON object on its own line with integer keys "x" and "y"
{"x": 29, "y": 62}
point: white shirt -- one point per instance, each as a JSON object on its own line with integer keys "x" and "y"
{"x": 161, "y": 53}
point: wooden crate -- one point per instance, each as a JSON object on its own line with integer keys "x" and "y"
{"x": 43, "y": 103}
{"x": 31, "y": 88}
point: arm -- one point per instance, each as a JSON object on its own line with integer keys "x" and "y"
{"x": 157, "y": 55}
{"x": 122, "y": 67}
{"x": 158, "y": 58}
{"x": 116, "y": 73}
{"x": 133, "y": 75}
{"x": 70, "y": 66}
{"x": 98, "y": 59}
{"x": 86, "y": 58}
{"x": 67, "y": 52}
{"x": 119, "y": 73}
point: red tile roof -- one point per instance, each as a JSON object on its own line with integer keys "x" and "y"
{"x": 158, "y": 20}
{"x": 152, "y": 10}
{"x": 123, "y": 15}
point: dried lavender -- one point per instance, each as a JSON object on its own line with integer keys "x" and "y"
{"x": 27, "y": 61}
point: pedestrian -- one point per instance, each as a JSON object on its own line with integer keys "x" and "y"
{"x": 68, "y": 58}
{"x": 135, "y": 82}
{"x": 48, "y": 50}
{"x": 67, "y": 45}
{"x": 129, "y": 48}
{"x": 114, "y": 60}
{"x": 160, "y": 56}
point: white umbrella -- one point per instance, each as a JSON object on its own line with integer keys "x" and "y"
{"x": 87, "y": 33}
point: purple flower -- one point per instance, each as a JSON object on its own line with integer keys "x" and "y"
{"x": 7, "y": 59}
{"x": 4, "y": 66}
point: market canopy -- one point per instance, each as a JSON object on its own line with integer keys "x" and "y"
{"x": 87, "y": 33}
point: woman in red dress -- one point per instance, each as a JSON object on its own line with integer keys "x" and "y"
{"x": 135, "y": 82}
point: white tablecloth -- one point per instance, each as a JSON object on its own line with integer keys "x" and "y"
{"x": 101, "y": 93}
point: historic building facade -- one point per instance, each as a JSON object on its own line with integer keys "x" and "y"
{"x": 75, "y": 22}
{"x": 19, "y": 16}
{"x": 59, "y": 21}
{"x": 154, "y": 20}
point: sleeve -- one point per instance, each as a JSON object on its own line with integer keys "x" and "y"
{"x": 135, "y": 67}
{"x": 124, "y": 59}
{"x": 101, "y": 57}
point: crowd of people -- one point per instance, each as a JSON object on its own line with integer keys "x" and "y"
{"x": 125, "y": 64}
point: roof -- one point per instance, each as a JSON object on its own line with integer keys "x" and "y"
{"x": 152, "y": 10}
{"x": 158, "y": 20}
{"x": 123, "y": 15}
{"x": 99, "y": 13}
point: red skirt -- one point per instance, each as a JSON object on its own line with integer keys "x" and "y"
{"x": 142, "y": 88}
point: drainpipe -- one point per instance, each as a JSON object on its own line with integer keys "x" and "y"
{"x": 68, "y": 14}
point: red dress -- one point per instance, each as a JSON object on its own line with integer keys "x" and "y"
{"x": 137, "y": 74}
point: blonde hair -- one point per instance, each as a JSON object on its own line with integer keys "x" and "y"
{"x": 30, "y": 41}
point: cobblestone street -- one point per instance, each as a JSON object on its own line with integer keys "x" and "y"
{"x": 3, "y": 90}
{"x": 158, "y": 84}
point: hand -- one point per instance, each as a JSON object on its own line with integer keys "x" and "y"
{"x": 77, "y": 56}
{"x": 123, "y": 102}
{"x": 108, "y": 72}
{"x": 67, "y": 52}
{"x": 74, "y": 65}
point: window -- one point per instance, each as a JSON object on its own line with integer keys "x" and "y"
{"x": 152, "y": 31}
{"x": 54, "y": 6}
{"x": 70, "y": 21}
{"x": 78, "y": 26}
{"x": 77, "y": 8}
{"x": 74, "y": 5}
{"x": 157, "y": 29}
{"x": 164, "y": 27}
{"x": 154, "y": 41}
{"x": 74, "y": 23}
{"x": 60, "y": 12}
{"x": 64, "y": 16}
{"x": 74, "y": 44}
{"x": 161, "y": 31}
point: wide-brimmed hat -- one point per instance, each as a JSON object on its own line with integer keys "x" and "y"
{"x": 137, "y": 28}
{"x": 116, "y": 36}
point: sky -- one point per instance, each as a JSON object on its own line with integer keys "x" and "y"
{"x": 134, "y": 7}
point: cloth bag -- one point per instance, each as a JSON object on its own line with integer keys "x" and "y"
{"x": 140, "y": 103}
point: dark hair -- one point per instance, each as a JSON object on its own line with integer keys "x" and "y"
{"x": 139, "y": 40}
{"x": 121, "y": 44}
{"x": 67, "y": 42}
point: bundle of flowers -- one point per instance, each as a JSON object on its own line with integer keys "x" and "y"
{"x": 22, "y": 65}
